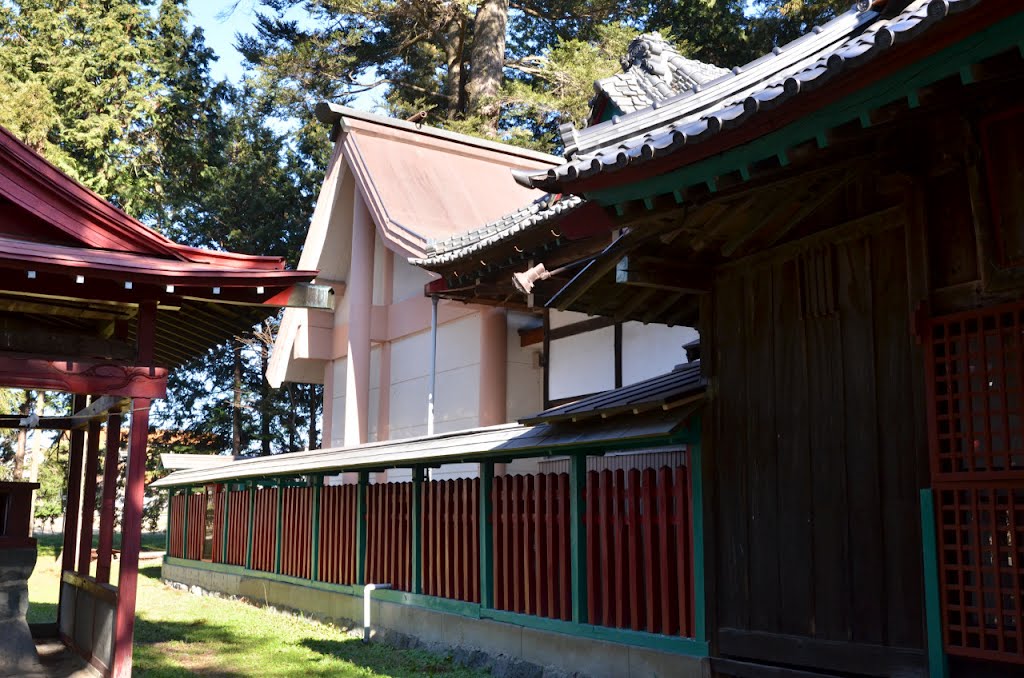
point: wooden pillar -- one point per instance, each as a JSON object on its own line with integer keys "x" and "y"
{"x": 250, "y": 534}
{"x": 74, "y": 489}
{"x": 314, "y": 539}
{"x": 131, "y": 539}
{"x": 110, "y": 460}
{"x": 486, "y": 535}
{"x": 416, "y": 518}
{"x": 578, "y": 536}
{"x": 92, "y": 465}
{"x": 364, "y": 482}
{"x": 279, "y": 525}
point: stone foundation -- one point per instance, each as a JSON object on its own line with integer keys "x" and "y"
{"x": 17, "y": 651}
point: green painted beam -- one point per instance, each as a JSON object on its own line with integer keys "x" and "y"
{"x": 938, "y": 666}
{"x": 314, "y": 562}
{"x": 417, "y": 529}
{"x": 682, "y": 646}
{"x": 224, "y": 525}
{"x": 364, "y": 482}
{"x": 279, "y": 522}
{"x": 251, "y": 532}
{"x": 697, "y": 515}
{"x": 167, "y": 531}
{"x": 578, "y": 536}
{"x": 1000, "y": 37}
{"x": 486, "y": 535}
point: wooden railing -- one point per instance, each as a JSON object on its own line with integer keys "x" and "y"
{"x": 635, "y": 526}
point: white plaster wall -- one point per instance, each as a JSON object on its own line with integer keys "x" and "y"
{"x": 582, "y": 364}
{"x": 650, "y": 350}
{"x": 409, "y": 280}
{"x": 456, "y": 404}
{"x": 373, "y": 407}
{"x": 524, "y": 386}
{"x": 379, "y": 254}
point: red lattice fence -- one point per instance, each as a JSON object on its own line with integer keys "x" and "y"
{"x": 176, "y": 527}
{"x": 296, "y": 537}
{"x": 388, "y": 535}
{"x": 338, "y": 534}
{"x": 639, "y": 555}
{"x": 531, "y": 545}
{"x": 451, "y": 537}
{"x": 264, "y": 543}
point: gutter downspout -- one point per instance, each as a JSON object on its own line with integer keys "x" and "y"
{"x": 367, "y": 591}
{"x": 433, "y": 365}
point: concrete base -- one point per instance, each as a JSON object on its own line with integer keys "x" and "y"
{"x": 508, "y": 650}
{"x": 17, "y": 651}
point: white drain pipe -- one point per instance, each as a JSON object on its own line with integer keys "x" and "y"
{"x": 367, "y": 590}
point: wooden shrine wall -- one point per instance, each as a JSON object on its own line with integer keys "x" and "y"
{"x": 817, "y": 452}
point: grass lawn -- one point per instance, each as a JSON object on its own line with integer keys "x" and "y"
{"x": 179, "y": 634}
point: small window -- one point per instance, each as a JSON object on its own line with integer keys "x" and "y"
{"x": 1002, "y": 138}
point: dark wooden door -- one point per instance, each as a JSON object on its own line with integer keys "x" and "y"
{"x": 819, "y": 452}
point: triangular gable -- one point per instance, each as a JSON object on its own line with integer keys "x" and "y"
{"x": 423, "y": 184}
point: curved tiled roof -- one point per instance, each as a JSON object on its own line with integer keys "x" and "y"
{"x": 541, "y": 211}
{"x": 654, "y": 70}
{"x": 850, "y": 41}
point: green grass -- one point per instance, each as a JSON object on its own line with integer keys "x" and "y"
{"x": 179, "y": 634}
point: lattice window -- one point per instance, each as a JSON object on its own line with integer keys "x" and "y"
{"x": 976, "y": 394}
{"x": 980, "y": 531}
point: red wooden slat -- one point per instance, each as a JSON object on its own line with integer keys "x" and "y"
{"x": 635, "y": 557}
{"x": 603, "y": 571}
{"x": 565, "y": 579}
{"x": 541, "y": 556}
{"x": 474, "y": 540}
{"x": 650, "y": 548}
{"x": 619, "y": 537}
{"x": 518, "y": 585}
{"x": 666, "y": 547}
{"x": 593, "y": 544}
{"x": 527, "y": 554}
{"x": 497, "y": 528}
{"x": 684, "y": 569}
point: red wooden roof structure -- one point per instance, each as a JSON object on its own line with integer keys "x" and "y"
{"x": 95, "y": 303}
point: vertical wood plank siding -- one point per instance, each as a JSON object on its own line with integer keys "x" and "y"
{"x": 389, "y": 537}
{"x": 450, "y": 534}
{"x": 819, "y": 454}
{"x": 297, "y": 517}
{"x": 197, "y": 503}
{"x": 264, "y": 543}
{"x": 338, "y": 534}
{"x": 238, "y": 526}
{"x": 175, "y": 525}
{"x": 531, "y": 545}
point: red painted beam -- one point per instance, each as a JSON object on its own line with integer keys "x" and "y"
{"x": 84, "y": 377}
{"x": 110, "y": 474}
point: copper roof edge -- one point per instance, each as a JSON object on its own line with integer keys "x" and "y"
{"x": 335, "y": 114}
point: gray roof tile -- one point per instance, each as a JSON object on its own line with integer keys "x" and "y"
{"x": 541, "y": 211}
{"x": 664, "y": 127}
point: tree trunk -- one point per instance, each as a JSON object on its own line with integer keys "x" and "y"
{"x": 236, "y": 402}
{"x": 292, "y": 447}
{"x": 455, "y": 56}
{"x": 487, "y": 59}
{"x": 311, "y": 404}
{"x": 19, "y": 451}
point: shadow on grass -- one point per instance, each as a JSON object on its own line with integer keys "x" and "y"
{"x": 151, "y": 571}
{"x": 167, "y": 649}
{"x": 380, "y": 658}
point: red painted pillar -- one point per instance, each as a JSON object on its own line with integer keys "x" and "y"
{"x": 110, "y": 474}
{"x": 131, "y": 539}
{"x": 92, "y": 462}
{"x": 74, "y": 490}
{"x": 131, "y": 524}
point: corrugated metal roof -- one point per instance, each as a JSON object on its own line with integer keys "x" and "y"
{"x": 544, "y": 210}
{"x": 850, "y": 41}
{"x": 505, "y": 441}
{"x": 682, "y": 384}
